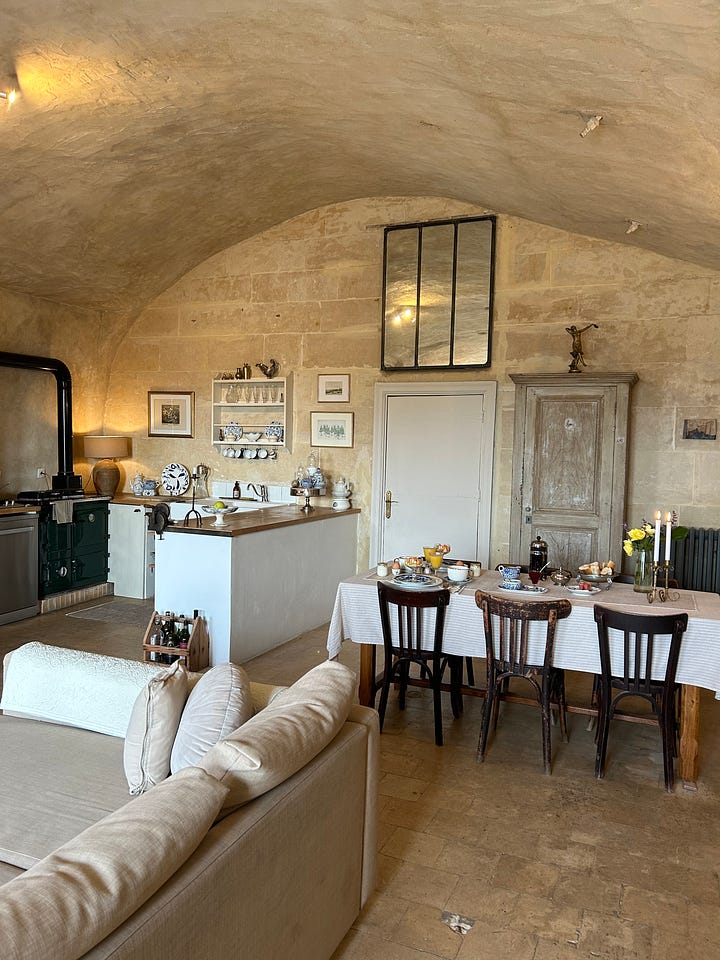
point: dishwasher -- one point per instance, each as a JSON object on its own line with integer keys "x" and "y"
{"x": 18, "y": 567}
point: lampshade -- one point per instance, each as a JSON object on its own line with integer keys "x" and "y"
{"x": 102, "y": 448}
{"x": 106, "y": 475}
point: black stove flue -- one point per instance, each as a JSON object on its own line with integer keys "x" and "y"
{"x": 66, "y": 483}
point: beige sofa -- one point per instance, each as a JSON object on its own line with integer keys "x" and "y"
{"x": 100, "y": 875}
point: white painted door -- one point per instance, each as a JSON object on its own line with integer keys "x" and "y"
{"x": 435, "y": 460}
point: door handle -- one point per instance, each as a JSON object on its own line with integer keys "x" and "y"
{"x": 388, "y": 504}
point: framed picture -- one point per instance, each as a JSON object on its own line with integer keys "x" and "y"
{"x": 331, "y": 429}
{"x": 696, "y": 426}
{"x": 171, "y": 414}
{"x": 334, "y": 388}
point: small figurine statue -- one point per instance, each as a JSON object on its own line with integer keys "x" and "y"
{"x": 269, "y": 369}
{"x": 577, "y": 349}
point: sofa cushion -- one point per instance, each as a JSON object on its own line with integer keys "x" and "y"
{"x": 298, "y": 723}
{"x": 74, "y": 898}
{"x": 56, "y": 781}
{"x": 219, "y": 703}
{"x": 152, "y": 728}
{"x": 87, "y": 690}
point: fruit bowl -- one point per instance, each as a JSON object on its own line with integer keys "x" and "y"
{"x": 219, "y": 513}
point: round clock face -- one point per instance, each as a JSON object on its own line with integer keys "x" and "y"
{"x": 175, "y": 478}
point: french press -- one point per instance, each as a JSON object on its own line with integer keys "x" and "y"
{"x": 538, "y": 554}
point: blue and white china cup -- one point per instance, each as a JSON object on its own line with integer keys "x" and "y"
{"x": 509, "y": 573}
{"x": 512, "y": 584}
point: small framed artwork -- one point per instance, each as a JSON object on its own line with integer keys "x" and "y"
{"x": 331, "y": 429}
{"x": 699, "y": 429}
{"x": 171, "y": 414}
{"x": 696, "y": 425}
{"x": 333, "y": 388}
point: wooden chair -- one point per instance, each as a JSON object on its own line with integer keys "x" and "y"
{"x": 507, "y": 656}
{"x": 406, "y": 610}
{"x": 632, "y": 676}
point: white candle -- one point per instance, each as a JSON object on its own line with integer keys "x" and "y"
{"x": 668, "y": 534}
{"x": 656, "y": 546}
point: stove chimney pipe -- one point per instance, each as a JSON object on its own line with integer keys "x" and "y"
{"x": 65, "y": 479}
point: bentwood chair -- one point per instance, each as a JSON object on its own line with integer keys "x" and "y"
{"x": 629, "y": 672}
{"x": 416, "y": 639}
{"x": 507, "y": 623}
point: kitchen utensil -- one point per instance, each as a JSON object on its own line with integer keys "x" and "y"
{"x": 509, "y": 572}
{"x": 458, "y": 574}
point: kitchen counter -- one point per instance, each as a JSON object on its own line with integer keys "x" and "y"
{"x": 261, "y": 579}
{"x": 18, "y": 508}
{"x": 253, "y": 521}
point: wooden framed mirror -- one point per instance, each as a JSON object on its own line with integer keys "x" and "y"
{"x": 438, "y": 294}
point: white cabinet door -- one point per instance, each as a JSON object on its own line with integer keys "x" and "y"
{"x": 131, "y": 552}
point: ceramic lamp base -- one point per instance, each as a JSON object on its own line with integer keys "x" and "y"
{"x": 106, "y": 477}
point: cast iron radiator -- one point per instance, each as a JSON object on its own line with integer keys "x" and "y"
{"x": 697, "y": 560}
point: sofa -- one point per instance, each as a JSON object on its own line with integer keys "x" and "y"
{"x": 262, "y": 848}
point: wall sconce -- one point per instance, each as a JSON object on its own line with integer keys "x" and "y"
{"x": 106, "y": 450}
{"x": 592, "y": 124}
{"x": 9, "y": 95}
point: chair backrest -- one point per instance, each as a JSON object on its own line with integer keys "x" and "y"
{"x": 407, "y": 608}
{"x": 507, "y": 646}
{"x": 637, "y": 654}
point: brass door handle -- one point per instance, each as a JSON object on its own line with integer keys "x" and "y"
{"x": 388, "y": 504}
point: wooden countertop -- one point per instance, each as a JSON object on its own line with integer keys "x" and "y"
{"x": 255, "y": 521}
{"x": 18, "y": 508}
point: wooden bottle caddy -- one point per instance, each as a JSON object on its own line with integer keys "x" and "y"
{"x": 197, "y": 653}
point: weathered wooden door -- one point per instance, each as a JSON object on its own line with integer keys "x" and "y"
{"x": 569, "y": 466}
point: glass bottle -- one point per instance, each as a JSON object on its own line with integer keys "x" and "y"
{"x": 156, "y": 638}
{"x": 236, "y": 491}
{"x": 183, "y": 633}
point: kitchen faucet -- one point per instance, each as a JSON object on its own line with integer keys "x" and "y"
{"x": 261, "y": 494}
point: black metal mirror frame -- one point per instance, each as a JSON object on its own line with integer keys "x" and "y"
{"x": 419, "y": 228}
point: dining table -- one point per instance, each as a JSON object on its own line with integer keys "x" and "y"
{"x": 356, "y": 617}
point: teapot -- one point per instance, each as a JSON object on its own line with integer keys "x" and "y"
{"x": 341, "y": 488}
{"x": 149, "y": 488}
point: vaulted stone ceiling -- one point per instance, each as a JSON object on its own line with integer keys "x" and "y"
{"x": 153, "y": 133}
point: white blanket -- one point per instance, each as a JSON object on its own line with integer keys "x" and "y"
{"x": 86, "y": 690}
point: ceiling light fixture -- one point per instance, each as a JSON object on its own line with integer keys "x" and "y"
{"x": 633, "y": 225}
{"x": 592, "y": 124}
{"x": 9, "y": 95}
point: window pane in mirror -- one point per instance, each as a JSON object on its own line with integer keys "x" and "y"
{"x": 436, "y": 295}
{"x": 472, "y": 293}
{"x": 400, "y": 298}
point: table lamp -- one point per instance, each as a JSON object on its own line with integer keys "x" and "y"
{"x": 106, "y": 450}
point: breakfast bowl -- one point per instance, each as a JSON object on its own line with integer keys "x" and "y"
{"x": 252, "y": 437}
{"x": 458, "y": 573}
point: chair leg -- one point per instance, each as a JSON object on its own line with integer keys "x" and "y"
{"x": 470, "y": 671}
{"x": 545, "y": 710}
{"x": 562, "y": 706}
{"x": 603, "y": 731}
{"x": 488, "y": 710}
{"x": 437, "y": 701}
{"x": 404, "y": 673}
{"x": 456, "y": 676}
{"x": 385, "y": 690}
{"x": 667, "y": 730}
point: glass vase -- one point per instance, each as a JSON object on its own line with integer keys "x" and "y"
{"x": 643, "y": 572}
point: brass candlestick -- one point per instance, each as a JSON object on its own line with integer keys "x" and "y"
{"x": 661, "y": 589}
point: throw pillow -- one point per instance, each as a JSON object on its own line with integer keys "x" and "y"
{"x": 75, "y": 897}
{"x": 298, "y": 723}
{"x": 153, "y": 725}
{"x": 219, "y": 703}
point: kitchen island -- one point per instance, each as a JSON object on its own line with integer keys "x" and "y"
{"x": 260, "y": 579}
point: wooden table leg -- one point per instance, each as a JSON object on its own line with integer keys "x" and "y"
{"x": 366, "y": 692}
{"x": 689, "y": 737}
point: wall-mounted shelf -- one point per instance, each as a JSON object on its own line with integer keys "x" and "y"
{"x": 258, "y": 406}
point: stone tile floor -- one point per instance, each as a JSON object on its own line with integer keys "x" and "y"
{"x": 544, "y": 868}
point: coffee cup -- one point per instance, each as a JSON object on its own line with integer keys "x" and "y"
{"x": 510, "y": 572}
{"x": 512, "y": 584}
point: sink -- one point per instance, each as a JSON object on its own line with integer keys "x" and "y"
{"x": 179, "y": 508}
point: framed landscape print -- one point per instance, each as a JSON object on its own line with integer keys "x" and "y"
{"x": 333, "y": 388}
{"x": 171, "y": 414}
{"x": 331, "y": 429}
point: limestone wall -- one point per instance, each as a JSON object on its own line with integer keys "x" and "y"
{"x": 308, "y": 294}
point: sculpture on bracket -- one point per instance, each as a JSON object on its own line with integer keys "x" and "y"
{"x": 576, "y": 352}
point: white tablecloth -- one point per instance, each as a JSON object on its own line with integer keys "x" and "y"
{"x": 356, "y": 617}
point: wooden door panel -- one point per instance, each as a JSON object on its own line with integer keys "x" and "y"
{"x": 570, "y": 548}
{"x": 567, "y": 470}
